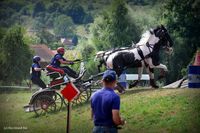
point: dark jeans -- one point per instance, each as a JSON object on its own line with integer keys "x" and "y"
{"x": 38, "y": 82}
{"x": 103, "y": 129}
{"x": 69, "y": 71}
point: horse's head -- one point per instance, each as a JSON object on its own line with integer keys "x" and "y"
{"x": 164, "y": 38}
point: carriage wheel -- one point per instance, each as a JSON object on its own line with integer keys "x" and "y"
{"x": 44, "y": 104}
{"x": 58, "y": 99}
{"x": 81, "y": 98}
{"x": 96, "y": 86}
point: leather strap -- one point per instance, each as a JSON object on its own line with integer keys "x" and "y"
{"x": 141, "y": 55}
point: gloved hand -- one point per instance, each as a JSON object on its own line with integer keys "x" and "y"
{"x": 71, "y": 63}
{"x": 77, "y": 60}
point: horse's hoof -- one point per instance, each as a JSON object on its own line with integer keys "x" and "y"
{"x": 131, "y": 85}
{"x": 160, "y": 77}
{"x": 120, "y": 88}
{"x": 153, "y": 84}
{"x": 122, "y": 92}
{"x": 155, "y": 87}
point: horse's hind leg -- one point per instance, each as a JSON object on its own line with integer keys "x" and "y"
{"x": 120, "y": 88}
{"x": 151, "y": 75}
{"x": 122, "y": 78}
{"x": 135, "y": 83}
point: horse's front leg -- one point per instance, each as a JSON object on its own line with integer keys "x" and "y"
{"x": 161, "y": 66}
{"x": 163, "y": 70}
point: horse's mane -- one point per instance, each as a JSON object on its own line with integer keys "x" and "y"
{"x": 144, "y": 39}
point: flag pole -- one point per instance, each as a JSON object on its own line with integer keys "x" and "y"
{"x": 68, "y": 117}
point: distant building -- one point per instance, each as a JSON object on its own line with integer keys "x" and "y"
{"x": 44, "y": 52}
{"x": 70, "y": 43}
{"x": 66, "y": 41}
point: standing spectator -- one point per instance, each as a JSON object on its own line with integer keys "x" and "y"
{"x": 36, "y": 72}
{"x": 105, "y": 104}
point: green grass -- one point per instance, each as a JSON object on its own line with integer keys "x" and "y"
{"x": 162, "y": 110}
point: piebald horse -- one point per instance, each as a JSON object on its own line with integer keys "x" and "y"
{"x": 145, "y": 53}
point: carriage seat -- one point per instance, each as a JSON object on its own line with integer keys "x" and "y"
{"x": 54, "y": 73}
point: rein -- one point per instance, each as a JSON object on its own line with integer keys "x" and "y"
{"x": 113, "y": 51}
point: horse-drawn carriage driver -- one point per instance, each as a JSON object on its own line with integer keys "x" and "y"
{"x": 58, "y": 59}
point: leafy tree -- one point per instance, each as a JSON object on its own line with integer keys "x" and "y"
{"x": 38, "y": 7}
{"x": 45, "y": 36}
{"x": 88, "y": 19}
{"x": 88, "y": 52}
{"x": 25, "y": 11}
{"x": 55, "y": 6}
{"x": 17, "y": 56}
{"x": 113, "y": 28}
{"x": 75, "y": 40}
{"x": 76, "y": 12}
{"x": 63, "y": 26}
{"x": 90, "y": 5}
{"x": 16, "y": 5}
{"x": 182, "y": 18}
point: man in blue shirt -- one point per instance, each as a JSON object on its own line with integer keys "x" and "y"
{"x": 58, "y": 59}
{"x": 105, "y": 104}
{"x": 36, "y": 72}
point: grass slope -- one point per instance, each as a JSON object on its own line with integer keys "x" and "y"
{"x": 162, "y": 110}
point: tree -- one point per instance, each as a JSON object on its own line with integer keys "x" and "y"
{"x": 55, "y": 6}
{"x": 63, "y": 26}
{"x": 113, "y": 28}
{"x": 76, "y": 12}
{"x": 182, "y": 18}
{"x": 75, "y": 40}
{"x": 16, "y": 56}
{"x": 38, "y": 7}
{"x": 45, "y": 36}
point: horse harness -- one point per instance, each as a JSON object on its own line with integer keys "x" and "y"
{"x": 103, "y": 60}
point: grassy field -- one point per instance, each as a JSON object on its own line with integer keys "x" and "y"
{"x": 146, "y": 110}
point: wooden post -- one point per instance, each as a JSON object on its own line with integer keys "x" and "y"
{"x": 68, "y": 117}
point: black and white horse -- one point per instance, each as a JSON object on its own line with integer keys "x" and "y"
{"x": 145, "y": 54}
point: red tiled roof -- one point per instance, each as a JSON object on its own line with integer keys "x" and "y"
{"x": 54, "y": 51}
{"x": 43, "y": 51}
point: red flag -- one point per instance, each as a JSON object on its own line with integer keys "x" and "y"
{"x": 70, "y": 92}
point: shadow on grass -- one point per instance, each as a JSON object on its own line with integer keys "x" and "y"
{"x": 45, "y": 114}
{"x": 63, "y": 109}
{"x": 10, "y": 91}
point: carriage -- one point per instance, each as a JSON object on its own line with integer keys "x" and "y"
{"x": 50, "y": 100}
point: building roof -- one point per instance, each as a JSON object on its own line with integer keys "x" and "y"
{"x": 66, "y": 41}
{"x": 54, "y": 51}
{"x": 43, "y": 51}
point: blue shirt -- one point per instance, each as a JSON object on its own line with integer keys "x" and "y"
{"x": 35, "y": 74}
{"x": 55, "y": 60}
{"x": 102, "y": 103}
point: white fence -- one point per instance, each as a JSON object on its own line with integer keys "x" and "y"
{"x": 135, "y": 77}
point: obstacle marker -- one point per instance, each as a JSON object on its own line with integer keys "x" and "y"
{"x": 194, "y": 77}
{"x": 194, "y": 73}
{"x": 197, "y": 59}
